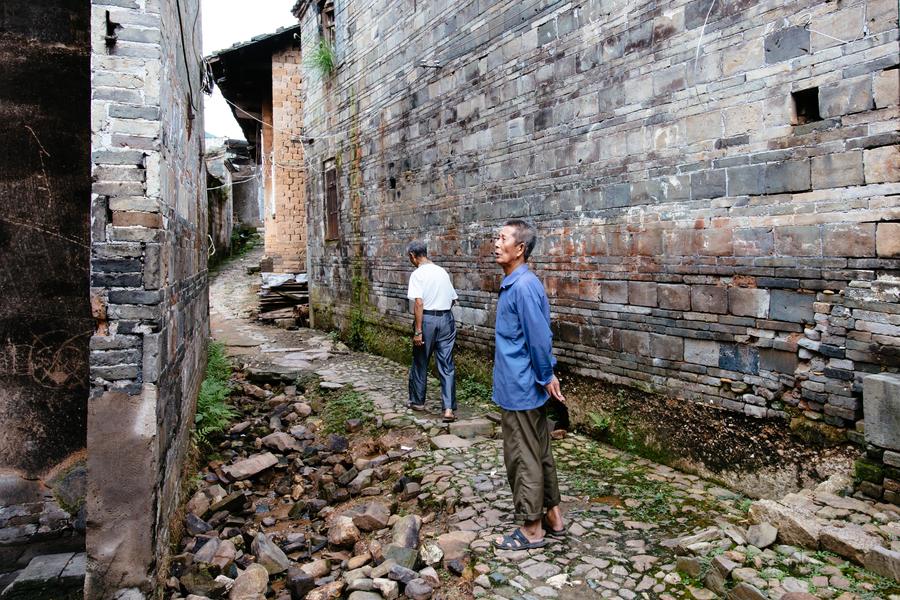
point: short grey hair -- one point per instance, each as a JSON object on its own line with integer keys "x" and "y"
{"x": 417, "y": 248}
{"x": 524, "y": 234}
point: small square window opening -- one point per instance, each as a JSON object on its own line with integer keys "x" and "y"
{"x": 806, "y": 106}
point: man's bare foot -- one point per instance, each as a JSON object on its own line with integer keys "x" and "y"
{"x": 553, "y": 522}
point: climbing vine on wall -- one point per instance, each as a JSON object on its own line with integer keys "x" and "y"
{"x": 357, "y": 334}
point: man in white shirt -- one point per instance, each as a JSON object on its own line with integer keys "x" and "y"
{"x": 431, "y": 294}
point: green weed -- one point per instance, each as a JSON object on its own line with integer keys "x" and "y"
{"x": 472, "y": 392}
{"x": 213, "y": 411}
{"x": 865, "y": 584}
{"x": 356, "y": 335}
{"x": 600, "y": 422}
{"x": 349, "y": 405}
{"x": 597, "y": 475}
{"x": 308, "y": 383}
{"x": 243, "y": 241}
{"x": 322, "y": 58}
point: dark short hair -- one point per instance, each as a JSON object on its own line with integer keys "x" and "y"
{"x": 524, "y": 233}
{"x": 417, "y": 248}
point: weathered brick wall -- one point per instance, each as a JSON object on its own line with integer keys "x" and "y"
{"x": 285, "y": 218}
{"x": 45, "y": 315}
{"x": 149, "y": 281}
{"x": 697, "y": 237}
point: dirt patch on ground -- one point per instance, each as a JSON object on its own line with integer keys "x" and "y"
{"x": 707, "y": 440}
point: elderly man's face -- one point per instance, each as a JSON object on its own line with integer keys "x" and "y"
{"x": 506, "y": 249}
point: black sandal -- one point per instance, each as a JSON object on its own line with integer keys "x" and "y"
{"x": 416, "y": 407}
{"x": 517, "y": 541}
{"x": 555, "y": 533}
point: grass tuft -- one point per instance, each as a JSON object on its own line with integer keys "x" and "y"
{"x": 322, "y": 58}
{"x": 471, "y": 392}
{"x": 349, "y": 405}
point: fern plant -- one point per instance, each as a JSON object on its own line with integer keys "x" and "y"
{"x": 322, "y": 58}
{"x": 217, "y": 366}
{"x": 213, "y": 411}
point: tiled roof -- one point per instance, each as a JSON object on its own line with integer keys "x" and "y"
{"x": 281, "y": 31}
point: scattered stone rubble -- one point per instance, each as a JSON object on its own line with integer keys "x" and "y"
{"x": 286, "y": 511}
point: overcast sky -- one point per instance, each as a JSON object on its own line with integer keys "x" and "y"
{"x": 226, "y": 22}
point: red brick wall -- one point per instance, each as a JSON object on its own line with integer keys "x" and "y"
{"x": 285, "y": 222}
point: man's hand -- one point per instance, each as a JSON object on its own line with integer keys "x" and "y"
{"x": 419, "y": 316}
{"x": 554, "y": 391}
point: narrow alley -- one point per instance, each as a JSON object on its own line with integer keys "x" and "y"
{"x": 327, "y": 485}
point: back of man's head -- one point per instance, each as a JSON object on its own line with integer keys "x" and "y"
{"x": 417, "y": 248}
{"x": 525, "y": 234}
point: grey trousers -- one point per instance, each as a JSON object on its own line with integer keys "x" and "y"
{"x": 530, "y": 468}
{"x": 439, "y": 335}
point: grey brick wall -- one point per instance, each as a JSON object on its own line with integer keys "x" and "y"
{"x": 148, "y": 282}
{"x": 700, "y": 222}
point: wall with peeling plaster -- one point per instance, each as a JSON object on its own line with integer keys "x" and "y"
{"x": 45, "y": 317}
{"x": 706, "y": 224}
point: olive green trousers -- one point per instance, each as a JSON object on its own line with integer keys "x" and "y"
{"x": 530, "y": 467}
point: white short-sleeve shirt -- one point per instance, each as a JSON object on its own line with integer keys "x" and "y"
{"x": 432, "y": 284}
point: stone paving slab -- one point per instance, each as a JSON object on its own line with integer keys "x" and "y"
{"x": 59, "y": 576}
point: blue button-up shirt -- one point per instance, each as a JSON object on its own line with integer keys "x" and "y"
{"x": 523, "y": 355}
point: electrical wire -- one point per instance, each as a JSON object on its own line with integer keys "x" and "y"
{"x": 233, "y": 183}
{"x": 712, "y": 4}
{"x": 184, "y": 55}
{"x": 278, "y": 129}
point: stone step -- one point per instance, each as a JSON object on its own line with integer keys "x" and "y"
{"x": 471, "y": 428}
{"x": 59, "y": 576}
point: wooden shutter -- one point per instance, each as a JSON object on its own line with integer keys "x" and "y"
{"x": 331, "y": 204}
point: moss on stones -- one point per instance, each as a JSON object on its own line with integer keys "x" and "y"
{"x": 866, "y": 470}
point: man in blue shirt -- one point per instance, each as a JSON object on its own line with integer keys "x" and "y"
{"x": 523, "y": 382}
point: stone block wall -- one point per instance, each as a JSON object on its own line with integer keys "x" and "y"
{"x": 711, "y": 187}
{"x": 148, "y": 281}
{"x": 878, "y": 472}
{"x": 45, "y": 313}
{"x": 285, "y": 218}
